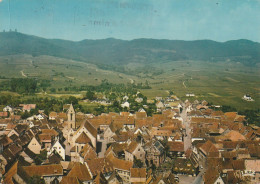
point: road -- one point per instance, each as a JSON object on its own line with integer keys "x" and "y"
{"x": 185, "y": 179}
{"x": 184, "y": 84}
{"x": 187, "y": 144}
{"x": 199, "y": 179}
{"x": 186, "y": 123}
{"x": 23, "y": 74}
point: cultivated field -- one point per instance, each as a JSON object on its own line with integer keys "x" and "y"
{"x": 222, "y": 83}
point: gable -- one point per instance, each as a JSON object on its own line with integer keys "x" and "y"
{"x": 219, "y": 181}
{"x": 34, "y": 142}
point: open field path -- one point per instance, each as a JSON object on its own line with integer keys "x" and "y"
{"x": 23, "y": 74}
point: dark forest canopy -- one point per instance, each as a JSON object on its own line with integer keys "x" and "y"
{"x": 21, "y": 85}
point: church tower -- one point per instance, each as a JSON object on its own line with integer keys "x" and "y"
{"x": 71, "y": 117}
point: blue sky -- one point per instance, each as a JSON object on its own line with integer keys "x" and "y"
{"x": 219, "y": 20}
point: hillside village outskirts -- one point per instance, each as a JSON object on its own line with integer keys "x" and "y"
{"x": 182, "y": 139}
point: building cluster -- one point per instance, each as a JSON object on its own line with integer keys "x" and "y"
{"x": 225, "y": 148}
{"x": 129, "y": 147}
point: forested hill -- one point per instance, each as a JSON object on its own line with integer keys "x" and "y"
{"x": 114, "y": 51}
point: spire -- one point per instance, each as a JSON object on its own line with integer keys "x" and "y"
{"x": 71, "y": 109}
{"x": 71, "y": 116}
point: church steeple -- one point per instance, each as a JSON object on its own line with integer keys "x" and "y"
{"x": 71, "y": 117}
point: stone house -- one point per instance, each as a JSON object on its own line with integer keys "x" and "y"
{"x": 154, "y": 152}
{"x": 252, "y": 169}
{"x": 108, "y": 135}
{"x": 134, "y": 149}
{"x": 122, "y": 167}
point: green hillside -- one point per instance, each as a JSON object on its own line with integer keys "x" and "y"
{"x": 113, "y": 51}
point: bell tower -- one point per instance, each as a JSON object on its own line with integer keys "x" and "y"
{"x": 71, "y": 117}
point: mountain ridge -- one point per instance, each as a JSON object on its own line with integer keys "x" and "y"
{"x": 144, "y": 50}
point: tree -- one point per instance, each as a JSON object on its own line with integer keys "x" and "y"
{"x": 116, "y": 104}
{"x": 72, "y": 99}
{"x": 90, "y": 95}
{"x": 112, "y": 96}
{"x": 23, "y": 85}
{"x": 25, "y": 115}
{"x": 53, "y": 90}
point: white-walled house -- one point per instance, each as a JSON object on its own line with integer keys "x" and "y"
{"x": 58, "y": 148}
{"x": 39, "y": 117}
{"x": 247, "y": 98}
{"x": 125, "y": 98}
{"x": 125, "y": 104}
{"x": 35, "y": 146}
{"x": 8, "y": 109}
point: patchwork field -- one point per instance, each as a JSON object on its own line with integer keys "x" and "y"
{"x": 221, "y": 83}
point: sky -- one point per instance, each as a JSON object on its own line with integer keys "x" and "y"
{"x": 218, "y": 20}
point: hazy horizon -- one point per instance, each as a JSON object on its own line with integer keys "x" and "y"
{"x": 131, "y": 19}
{"x": 13, "y": 31}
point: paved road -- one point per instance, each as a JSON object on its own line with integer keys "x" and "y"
{"x": 186, "y": 122}
{"x": 184, "y": 179}
{"x": 199, "y": 179}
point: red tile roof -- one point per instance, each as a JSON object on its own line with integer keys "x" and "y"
{"x": 3, "y": 114}
{"x": 44, "y": 170}
{"x": 97, "y": 165}
{"x": 80, "y": 171}
{"x": 208, "y": 148}
{"x": 138, "y": 172}
{"x": 83, "y": 139}
{"x": 176, "y": 146}
{"x": 69, "y": 180}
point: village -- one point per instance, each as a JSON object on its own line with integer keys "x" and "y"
{"x": 181, "y": 140}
